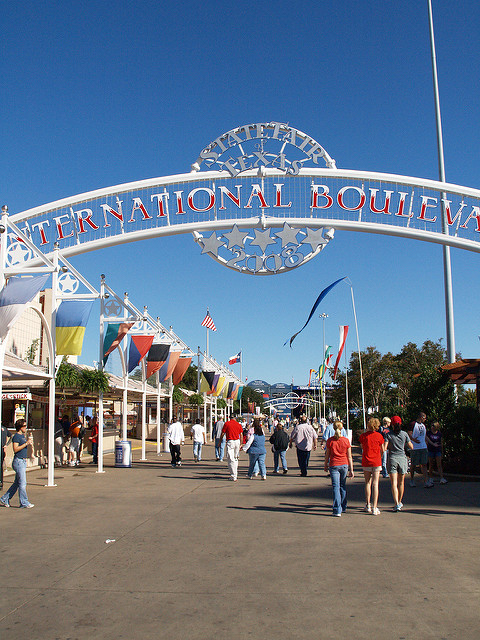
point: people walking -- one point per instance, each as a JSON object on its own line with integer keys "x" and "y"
{"x": 384, "y": 429}
{"x": 219, "y": 440}
{"x": 176, "y": 438}
{"x": 93, "y": 437}
{"x": 234, "y": 434}
{"x": 4, "y": 438}
{"x": 339, "y": 461}
{"x": 198, "y": 433}
{"x": 279, "y": 441}
{"x": 419, "y": 455}
{"x": 305, "y": 439}
{"x": 398, "y": 440}
{"x": 434, "y": 448}
{"x": 19, "y": 464}
{"x": 255, "y": 446}
{"x": 373, "y": 445}
{"x": 75, "y": 443}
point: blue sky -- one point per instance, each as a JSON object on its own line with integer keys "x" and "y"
{"x": 96, "y": 94}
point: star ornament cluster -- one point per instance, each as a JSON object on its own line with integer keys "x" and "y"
{"x": 264, "y": 251}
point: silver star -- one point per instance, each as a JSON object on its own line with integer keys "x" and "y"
{"x": 113, "y": 308}
{"x": 287, "y": 235}
{"x": 67, "y": 283}
{"x": 235, "y": 237}
{"x": 262, "y": 239}
{"x": 314, "y": 238}
{"x": 211, "y": 244}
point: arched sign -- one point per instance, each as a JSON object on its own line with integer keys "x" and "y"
{"x": 262, "y": 199}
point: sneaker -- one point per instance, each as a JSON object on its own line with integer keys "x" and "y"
{"x": 400, "y": 506}
{"x": 264, "y": 477}
{"x": 443, "y": 481}
{"x": 256, "y": 474}
{"x": 368, "y": 508}
{"x": 28, "y": 506}
{"x": 285, "y": 471}
{"x": 4, "y": 504}
{"x": 429, "y": 484}
{"x": 412, "y": 483}
{"x": 376, "y": 512}
{"x": 337, "y": 515}
{"x": 395, "y": 508}
{"x": 179, "y": 464}
{"x": 195, "y": 459}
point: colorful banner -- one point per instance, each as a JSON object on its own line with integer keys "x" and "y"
{"x": 71, "y": 321}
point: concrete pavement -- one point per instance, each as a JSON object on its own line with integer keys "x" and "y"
{"x": 197, "y": 556}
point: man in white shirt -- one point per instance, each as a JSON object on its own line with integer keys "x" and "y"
{"x": 419, "y": 454}
{"x": 198, "y": 433}
{"x": 176, "y": 437}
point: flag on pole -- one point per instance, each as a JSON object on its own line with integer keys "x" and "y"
{"x": 156, "y": 357}
{"x": 168, "y": 366}
{"x": 236, "y": 358}
{"x": 181, "y": 368}
{"x": 139, "y": 346}
{"x": 206, "y": 381}
{"x": 314, "y": 308}
{"x": 114, "y": 335}
{"x": 310, "y": 376}
{"x": 72, "y": 318}
{"x": 326, "y": 361}
{"x": 14, "y": 297}
{"x": 343, "y": 339}
{"x": 208, "y": 322}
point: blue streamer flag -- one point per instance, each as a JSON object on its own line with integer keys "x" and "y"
{"x": 314, "y": 308}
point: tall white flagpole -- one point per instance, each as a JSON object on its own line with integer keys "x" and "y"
{"x": 447, "y": 266}
{"x": 359, "y": 358}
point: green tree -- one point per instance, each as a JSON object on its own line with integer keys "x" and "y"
{"x": 32, "y": 351}
{"x": 411, "y": 361}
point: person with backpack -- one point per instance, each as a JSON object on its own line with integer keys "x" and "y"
{"x": 279, "y": 441}
{"x": 76, "y": 437}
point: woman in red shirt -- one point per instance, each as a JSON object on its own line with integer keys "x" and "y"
{"x": 338, "y": 460}
{"x": 373, "y": 445}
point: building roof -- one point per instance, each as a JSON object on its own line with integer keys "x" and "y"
{"x": 16, "y": 371}
{"x": 466, "y": 371}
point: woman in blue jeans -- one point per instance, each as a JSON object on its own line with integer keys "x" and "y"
{"x": 19, "y": 465}
{"x": 339, "y": 461}
{"x": 255, "y": 446}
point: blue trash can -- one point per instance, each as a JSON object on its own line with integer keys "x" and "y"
{"x": 123, "y": 453}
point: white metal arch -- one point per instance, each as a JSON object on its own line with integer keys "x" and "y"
{"x": 352, "y": 218}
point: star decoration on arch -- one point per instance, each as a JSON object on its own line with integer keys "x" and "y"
{"x": 113, "y": 308}
{"x": 18, "y": 252}
{"x": 67, "y": 283}
{"x": 211, "y": 244}
{"x": 235, "y": 237}
{"x": 288, "y": 235}
{"x": 314, "y": 238}
{"x": 262, "y": 239}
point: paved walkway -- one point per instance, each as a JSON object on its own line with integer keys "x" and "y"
{"x": 198, "y": 557}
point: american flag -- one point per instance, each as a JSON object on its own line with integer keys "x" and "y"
{"x": 208, "y": 322}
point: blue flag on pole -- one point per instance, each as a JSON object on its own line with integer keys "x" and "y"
{"x": 314, "y": 308}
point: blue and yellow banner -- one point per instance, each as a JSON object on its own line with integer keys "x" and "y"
{"x": 72, "y": 318}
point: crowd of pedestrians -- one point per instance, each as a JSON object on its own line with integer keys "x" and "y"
{"x": 387, "y": 450}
